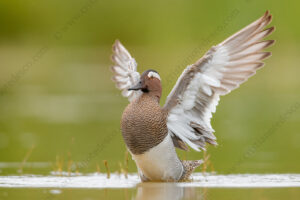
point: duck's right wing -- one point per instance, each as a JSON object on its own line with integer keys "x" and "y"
{"x": 222, "y": 69}
{"x": 125, "y": 71}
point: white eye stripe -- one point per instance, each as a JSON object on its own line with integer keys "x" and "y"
{"x": 154, "y": 75}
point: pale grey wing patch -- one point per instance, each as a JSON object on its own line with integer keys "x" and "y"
{"x": 222, "y": 69}
{"x": 125, "y": 71}
{"x": 204, "y": 107}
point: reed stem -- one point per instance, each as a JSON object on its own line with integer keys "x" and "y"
{"x": 107, "y": 169}
{"x": 27, "y": 155}
{"x": 126, "y": 165}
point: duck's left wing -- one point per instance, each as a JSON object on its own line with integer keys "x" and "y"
{"x": 222, "y": 69}
{"x": 125, "y": 71}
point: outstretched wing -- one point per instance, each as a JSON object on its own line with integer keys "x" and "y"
{"x": 222, "y": 69}
{"x": 125, "y": 71}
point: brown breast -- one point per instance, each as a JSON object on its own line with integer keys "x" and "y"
{"x": 143, "y": 124}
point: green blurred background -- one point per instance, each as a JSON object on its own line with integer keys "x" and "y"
{"x": 56, "y": 92}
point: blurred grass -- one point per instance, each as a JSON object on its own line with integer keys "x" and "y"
{"x": 66, "y": 101}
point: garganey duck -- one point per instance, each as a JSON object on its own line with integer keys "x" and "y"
{"x": 151, "y": 132}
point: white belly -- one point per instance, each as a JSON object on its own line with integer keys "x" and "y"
{"x": 160, "y": 163}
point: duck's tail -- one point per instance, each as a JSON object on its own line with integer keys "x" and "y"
{"x": 189, "y": 167}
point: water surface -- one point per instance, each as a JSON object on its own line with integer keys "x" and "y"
{"x": 97, "y": 186}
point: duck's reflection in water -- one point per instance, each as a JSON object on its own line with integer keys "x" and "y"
{"x": 167, "y": 191}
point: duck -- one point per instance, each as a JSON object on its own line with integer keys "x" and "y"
{"x": 152, "y": 132}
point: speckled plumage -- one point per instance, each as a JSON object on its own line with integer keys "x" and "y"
{"x": 143, "y": 124}
{"x": 189, "y": 167}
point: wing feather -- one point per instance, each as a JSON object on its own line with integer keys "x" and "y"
{"x": 222, "y": 69}
{"x": 125, "y": 71}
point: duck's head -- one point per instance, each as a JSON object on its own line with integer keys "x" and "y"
{"x": 149, "y": 83}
